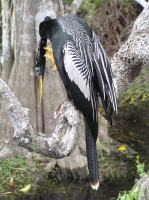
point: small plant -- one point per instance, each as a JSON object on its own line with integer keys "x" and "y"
{"x": 139, "y": 92}
{"x": 89, "y": 6}
{"x": 144, "y": 97}
{"x": 140, "y": 167}
{"x": 134, "y": 193}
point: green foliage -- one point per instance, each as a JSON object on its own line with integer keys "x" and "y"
{"x": 140, "y": 167}
{"x": 68, "y": 2}
{"x": 16, "y": 169}
{"x": 127, "y": 4}
{"x": 139, "y": 91}
{"x": 134, "y": 193}
{"x": 16, "y": 176}
{"x": 89, "y": 6}
{"x": 131, "y": 195}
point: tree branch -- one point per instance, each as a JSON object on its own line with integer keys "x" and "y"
{"x": 133, "y": 54}
{"x": 60, "y": 143}
{"x": 74, "y": 7}
{"x": 61, "y": 7}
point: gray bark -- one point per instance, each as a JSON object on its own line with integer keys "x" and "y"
{"x": 74, "y": 7}
{"x": 23, "y": 42}
{"x": 20, "y": 38}
{"x": 143, "y": 187}
{"x": 60, "y": 143}
{"x": 126, "y": 65}
{"x": 133, "y": 54}
{"x": 6, "y": 44}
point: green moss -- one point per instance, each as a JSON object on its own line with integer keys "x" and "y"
{"x": 117, "y": 169}
{"x": 68, "y": 2}
{"x": 15, "y": 168}
{"x": 139, "y": 89}
{"x": 89, "y": 6}
{"x": 18, "y": 171}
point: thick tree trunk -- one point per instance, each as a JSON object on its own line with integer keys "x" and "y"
{"x": 21, "y": 42}
{"x": 19, "y": 48}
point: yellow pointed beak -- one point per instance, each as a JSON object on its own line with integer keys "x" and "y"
{"x": 49, "y": 55}
{"x": 40, "y": 88}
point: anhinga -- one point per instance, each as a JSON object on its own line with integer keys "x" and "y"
{"x": 86, "y": 74}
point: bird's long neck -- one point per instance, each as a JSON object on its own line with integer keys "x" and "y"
{"x": 47, "y": 28}
{"x": 51, "y": 28}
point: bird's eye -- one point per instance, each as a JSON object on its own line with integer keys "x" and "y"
{"x": 37, "y": 69}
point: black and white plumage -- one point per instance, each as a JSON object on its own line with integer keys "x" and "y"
{"x": 86, "y": 73}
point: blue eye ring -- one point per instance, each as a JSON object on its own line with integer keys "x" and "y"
{"x": 37, "y": 69}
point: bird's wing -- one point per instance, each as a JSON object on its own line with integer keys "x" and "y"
{"x": 103, "y": 68}
{"x": 76, "y": 69}
{"x": 80, "y": 32}
{"x": 79, "y": 72}
{"x": 89, "y": 62}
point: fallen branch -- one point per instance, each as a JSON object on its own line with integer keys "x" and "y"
{"x": 60, "y": 143}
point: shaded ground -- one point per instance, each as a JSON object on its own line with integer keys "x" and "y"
{"x": 76, "y": 190}
{"x": 132, "y": 123}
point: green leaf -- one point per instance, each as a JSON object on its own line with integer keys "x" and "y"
{"x": 132, "y": 99}
{"x": 144, "y": 96}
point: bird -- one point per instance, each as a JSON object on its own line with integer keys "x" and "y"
{"x": 86, "y": 73}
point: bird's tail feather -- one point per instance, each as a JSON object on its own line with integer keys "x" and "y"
{"x": 92, "y": 157}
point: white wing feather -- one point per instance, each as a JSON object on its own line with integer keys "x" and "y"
{"x": 76, "y": 69}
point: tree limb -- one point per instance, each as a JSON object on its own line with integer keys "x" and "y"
{"x": 60, "y": 143}
{"x": 133, "y": 54}
{"x": 74, "y": 7}
{"x": 61, "y": 7}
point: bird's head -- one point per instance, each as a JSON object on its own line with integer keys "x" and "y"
{"x": 44, "y": 27}
{"x": 40, "y": 64}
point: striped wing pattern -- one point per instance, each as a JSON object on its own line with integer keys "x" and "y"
{"x": 103, "y": 68}
{"x": 77, "y": 71}
{"x": 76, "y": 68}
{"x": 82, "y": 40}
{"x": 86, "y": 56}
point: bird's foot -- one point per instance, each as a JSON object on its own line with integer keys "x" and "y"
{"x": 57, "y": 110}
{"x": 59, "y": 107}
{"x": 54, "y": 68}
{"x": 49, "y": 55}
